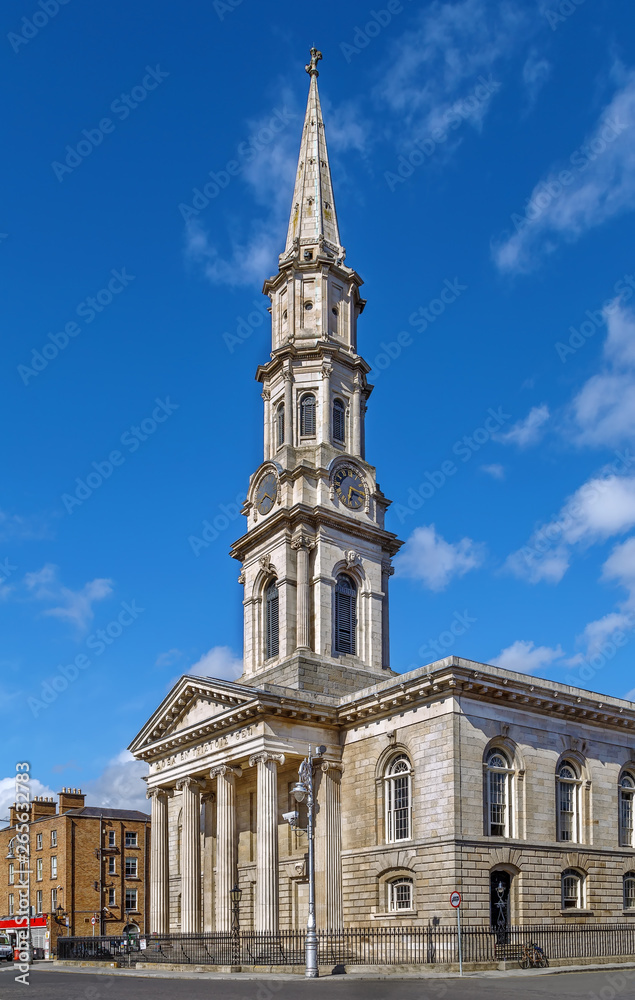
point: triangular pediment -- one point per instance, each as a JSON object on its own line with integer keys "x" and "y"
{"x": 190, "y": 704}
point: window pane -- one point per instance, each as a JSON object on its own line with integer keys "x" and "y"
{"x": 571, "y": 886}
{"x": 498, "y": 803}
{"x": 401, "y": 895}
{"x": 629, "y": 891}
{"x": 626, "y": 818}
{"x": 567, "y": 794}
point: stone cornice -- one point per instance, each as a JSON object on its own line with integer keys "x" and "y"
{"x": 315, "y": 352}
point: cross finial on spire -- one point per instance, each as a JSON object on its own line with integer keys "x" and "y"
{"x": 311, "y": 68}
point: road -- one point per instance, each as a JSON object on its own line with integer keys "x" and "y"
{"x": 45, "y": 985}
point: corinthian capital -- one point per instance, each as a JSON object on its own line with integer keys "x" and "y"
{"x": 265, "y": 757}
{"x": 303, "y": 542}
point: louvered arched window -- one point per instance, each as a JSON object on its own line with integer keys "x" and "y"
{"x": 627, "y": 795}
{"x": 339, "y": 417}
{"x": 280, "y": 424}
{"x": 272, "y": 642}
{"x": 307, "y": 415}
{"x": 345, "y": 614}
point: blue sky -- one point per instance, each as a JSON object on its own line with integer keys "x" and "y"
{"x": 486, "y": 148}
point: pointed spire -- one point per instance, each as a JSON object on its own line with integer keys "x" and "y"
{"x": 313, "y": 220}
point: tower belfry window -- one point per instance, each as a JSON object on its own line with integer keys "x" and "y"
{"x": 339, "y": 421}
{"x": 345, "y": 615}
{"x": 280, "y": 424}
{"x": 272, "y": 640}
{"x": 307, "y": 415}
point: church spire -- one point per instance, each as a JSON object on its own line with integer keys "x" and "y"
{"x": 313, "y": 220}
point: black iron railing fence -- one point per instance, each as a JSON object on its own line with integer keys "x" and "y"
{"x": 357, "y": 945}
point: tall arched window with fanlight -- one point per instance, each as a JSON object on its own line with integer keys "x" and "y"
{"x": 307, "y": 415}
{"x": 568, "y": 796}
{"x": 339, "y": 421}
{"x": 499, "y": 785}
{"x": 345, "y": 614}
{"x": 272, "y": 630}
{"x": 280, "y": 425}
{"x": 398, "y": 796}
{"x": 627, "y": 793}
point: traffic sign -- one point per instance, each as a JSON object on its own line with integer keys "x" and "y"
{"x": 455, "y": 900}
{"x": 93, "y": 920}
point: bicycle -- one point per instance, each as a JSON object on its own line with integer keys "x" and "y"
{"x": 533, "y": 956}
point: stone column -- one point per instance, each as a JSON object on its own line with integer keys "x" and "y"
{"x": 267, "y": 840}
{"x": 191, "y": 855}
{"x": 226, "y": 841}
{"x": 288, "y": 407}
{"x": 266, "y": 395}
{"x": 326, "y": 402}
{"x": 356, "y": 443}
{"x": 303, "y": 545}
{"x": 159, "y": 871}
{"x": 386, "y": 572}
{"x": 328, "y": 838}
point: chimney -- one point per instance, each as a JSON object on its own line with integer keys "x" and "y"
{"x": 43, "y": 807}
{"x": 71, "y": 798}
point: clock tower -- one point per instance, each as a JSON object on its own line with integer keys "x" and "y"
{"x": 316, "y": 557}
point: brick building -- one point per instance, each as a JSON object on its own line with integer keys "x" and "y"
{"x": 78, "y": 853}
{"x": 517, "y": 791}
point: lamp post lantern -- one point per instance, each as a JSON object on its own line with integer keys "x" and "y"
{"x": 235, "y": 896}
{"x": 304, "y": 789}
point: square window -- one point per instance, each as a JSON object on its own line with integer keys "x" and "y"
{"x": 400, "y": 895}
{"x": 131, "y": 838}
{"x": 131, "y": 867}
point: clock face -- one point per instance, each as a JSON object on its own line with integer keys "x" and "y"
{"x": 266, "y": 493}
{"x": 349, "y": 487}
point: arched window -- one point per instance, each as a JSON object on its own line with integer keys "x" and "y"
{"x": 400, "y": 895}
{"x": 572, "y": 890}
{"x": 345, "y": 615}
{"x": 568, "y": 787}
{"x": 280, "y": 424}
{"x": 398, "y": 780}
{"x": 339, "y": 421}
{"x": 307, "y": 415}
{"x": 627, "y": 792}
{"x": 629, "y": 891}
{"x": 499, "y": 795}
{"x": 272, "y": 643}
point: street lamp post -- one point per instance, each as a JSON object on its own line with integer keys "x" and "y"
{"x": 304, "y": 789}
{"x": 235, "y": 896}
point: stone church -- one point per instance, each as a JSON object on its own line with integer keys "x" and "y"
{"x": 516, "y": 791}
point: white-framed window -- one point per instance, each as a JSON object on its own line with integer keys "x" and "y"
{"x": 53, "y": 867}
{"x": 38, "y": 841}
{"x": 400, "y": 894}
{"x": 111, "y": 897}
{"x": 11, "y": 905}
{"x": 131, "y": 899}
{"x": 11, "y": 873}
{"x": 53, "y": 838}
{"x": 38, "y": 901}
{"x": 53, "y": 900}
{"x": 38, "y": 870}
{"x": 131, "y": 867}
{"x": 573, "y": 889}
{"x": 500, "y": 776}
{"x": 131, "y": 838}
{"x": 112, "y": 869}
{"x": 398, "y": 793}
{"x": 307, "y": 415}
{"x": 629, "y": 891}
{"x": 627, "y": 793}
{"x": 568, "y": 789}
{"x": 111, "y": 838}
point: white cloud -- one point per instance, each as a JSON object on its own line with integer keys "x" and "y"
{"x": 603, "y": 411}
{"x": 74, "y": 606}
{"x": 601, "y": 508}
{"x": 536, "y": 72}
{"x": 8, "y": 792}
{"x": 427, "y": 556}
{"x": 120, "y": 785}
{"x": 169, "y": 658}
{"x": 601, "y": 187}
{"x": 528, "y": 431}
{"x": 527, "y": 658}
{"x": 495, "y": 471}
{"x": 218, "y": 662}
{"x": 437, "y": 63}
